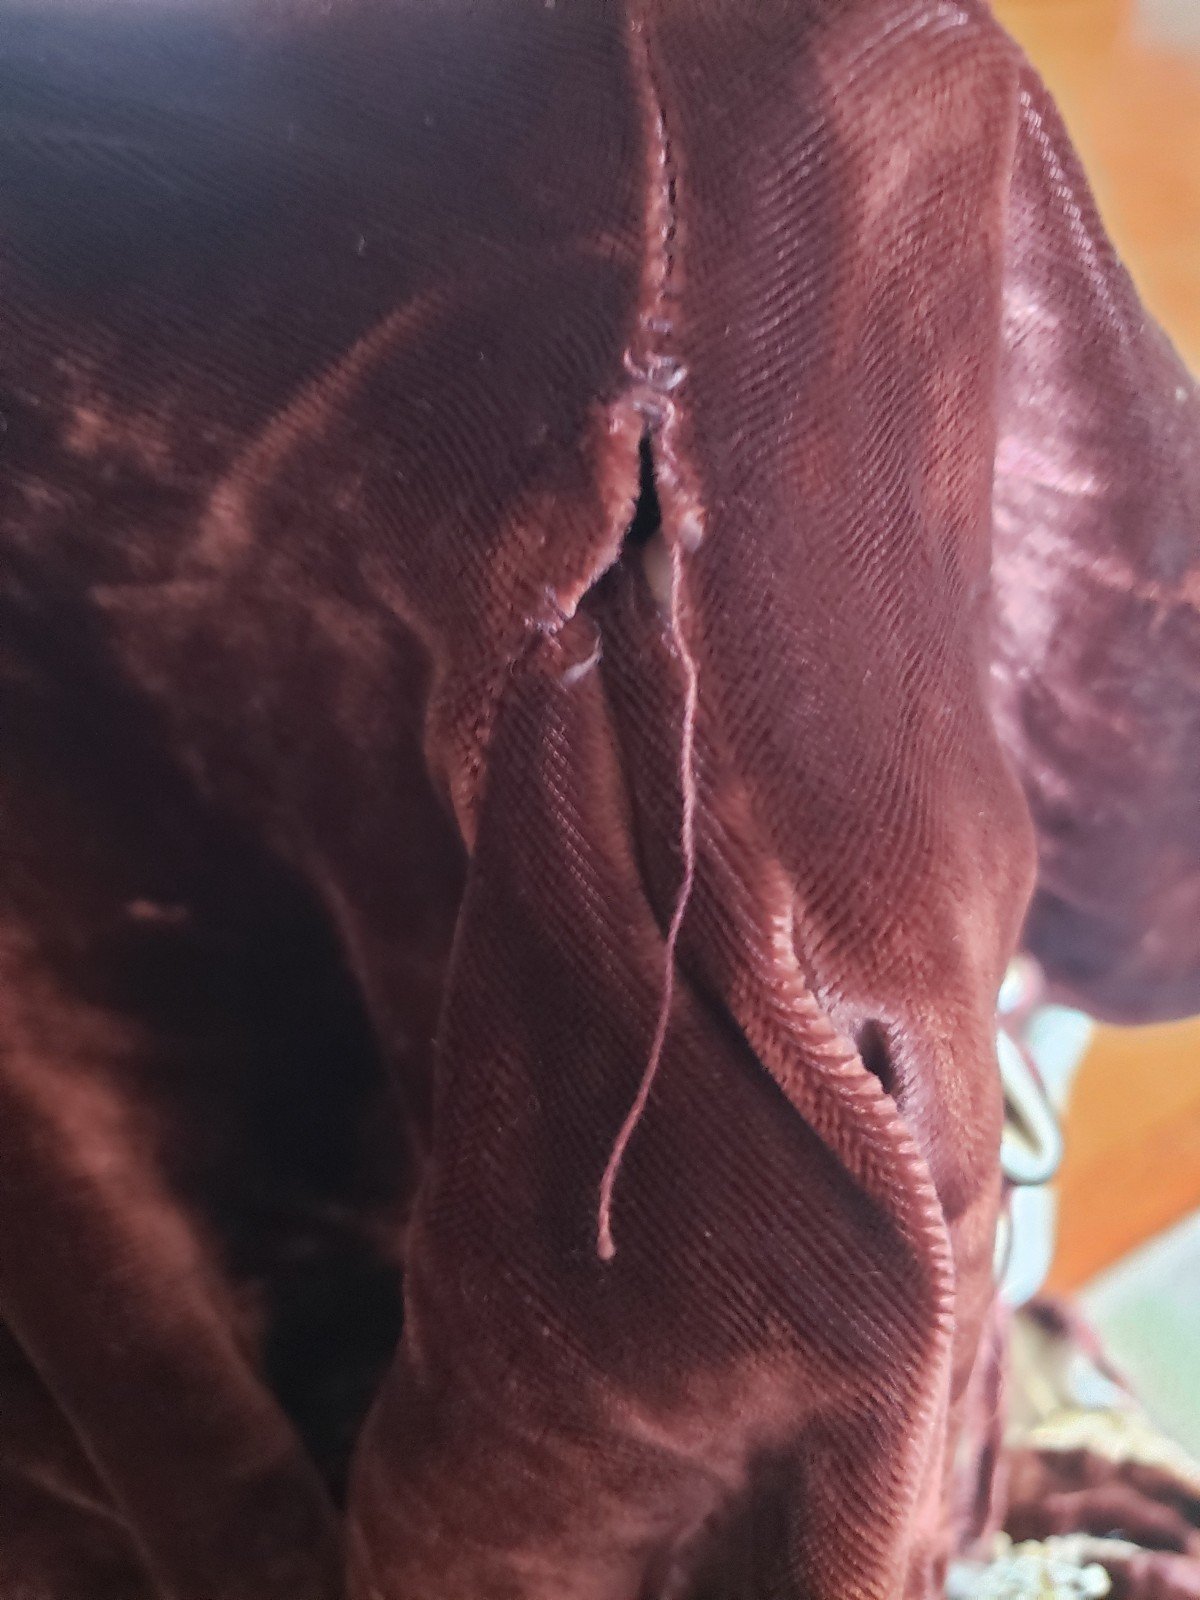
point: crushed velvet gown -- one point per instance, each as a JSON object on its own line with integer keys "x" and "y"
{"x": 556, "y": 556}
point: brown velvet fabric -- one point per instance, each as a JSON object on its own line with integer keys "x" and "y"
{"x": 362, "y": 362}
{"x": 1075, "y": 1491}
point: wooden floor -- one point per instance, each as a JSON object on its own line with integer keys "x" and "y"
{"x": 1127, "y": 76}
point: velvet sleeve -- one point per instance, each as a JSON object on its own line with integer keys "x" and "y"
{"x": 1097, "y": 580}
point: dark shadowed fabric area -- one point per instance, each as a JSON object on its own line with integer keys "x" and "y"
{"x": 556, "y": 556}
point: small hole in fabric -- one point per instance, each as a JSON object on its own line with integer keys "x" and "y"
{"x": 647, "y": 513}
{"x": 876, "y": 1056}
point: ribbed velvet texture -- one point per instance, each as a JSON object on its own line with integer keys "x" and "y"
{"x": 364, "y": 365}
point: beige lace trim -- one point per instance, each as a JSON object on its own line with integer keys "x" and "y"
{"x": 1050, "y": 1569}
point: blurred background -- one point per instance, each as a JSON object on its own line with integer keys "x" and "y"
{"x": 1126, "y": 74}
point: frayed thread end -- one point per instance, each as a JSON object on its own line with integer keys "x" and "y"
{"x": 606, "y": 1247}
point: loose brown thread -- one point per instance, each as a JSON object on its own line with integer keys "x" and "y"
{"x": 605, "y": 1246}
